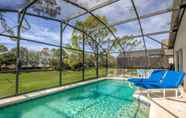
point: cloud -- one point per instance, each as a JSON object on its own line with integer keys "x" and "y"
{"x": 31, "y": 46}
{"x": 117, "y": 11}
{"x": 157, "y": 23}
{"x": 43, "y": 34}
{"x": 147, "y": 6}
{"x": 67, "y": 35}
{"x": 7, "y": 42}
{"x": 46, "y": 35}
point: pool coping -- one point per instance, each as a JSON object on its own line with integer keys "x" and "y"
{"x": 33, "y": 95}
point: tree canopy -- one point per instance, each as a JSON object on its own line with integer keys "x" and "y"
{"x": 3, "y": 48}
{"x": 91, "y": 24}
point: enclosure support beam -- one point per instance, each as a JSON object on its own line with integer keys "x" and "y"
{"x": 18, "y": 62}
{"x": 30, "y": 40}
{"x": 106, "y": 3}
{"x": 151, "y": 34}
{"x": 29, "y": 5}
{"x": 21, "y": 15}
{"x": 60, "y": 58}
{"x": 62, "y": 28}
{"x": 83, "y": 57}
{"x": 17, "y": 56}
{"x": 106, "y": 64}
{"x": 180, "y": 15}
{"x": 157, "y": 41}
{"x": 97, "y": 61}
{"x": 156, "y": 13}
{"x": 120, "y": 22}
{"x": 147, "y": 35}
{"x": 141, "y": 29}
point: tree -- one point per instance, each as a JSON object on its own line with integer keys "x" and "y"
{"x": 24, "y": 54}
{"x": 73, "y": 60}
{"x": 46, "y": 7}
{"x": 112, "y": 61}
{"x": 8, "y": 58}
{"x": 33, "y": 58}
{"x": 55, "y": 56}
{"x": 127, "y": 43}
{"x": 90, "y": 59}
{"x": 3, "y": 48}
{"x": 89, "y": 24}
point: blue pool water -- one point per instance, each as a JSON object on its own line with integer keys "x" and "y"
{"x": 103, "y": 99}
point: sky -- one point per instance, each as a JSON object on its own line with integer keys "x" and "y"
{"x": 49, "y": 32}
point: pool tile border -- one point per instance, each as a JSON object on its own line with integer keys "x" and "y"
{"x": 25, "y": 97}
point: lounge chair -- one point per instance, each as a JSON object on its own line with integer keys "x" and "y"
{"x": 171, "y": 81}
{"x": 155, "y": 76}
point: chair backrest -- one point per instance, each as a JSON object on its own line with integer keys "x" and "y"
{"x": 173, "y": 78}
{"x": 157, "y": 75}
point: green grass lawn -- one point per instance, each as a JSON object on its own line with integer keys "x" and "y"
{"x": 30, "y": 81}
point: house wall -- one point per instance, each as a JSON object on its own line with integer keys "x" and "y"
{"x": 181, "y": 44}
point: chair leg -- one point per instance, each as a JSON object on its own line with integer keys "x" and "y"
{"x": 163, "y": 92}
{"x": 176, "y": 92}
{"x": 148, "y": 93}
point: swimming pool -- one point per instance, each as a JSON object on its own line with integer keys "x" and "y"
{"x": 101, "y": 99}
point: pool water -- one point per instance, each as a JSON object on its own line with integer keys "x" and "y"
{"x": 102, "y": 99}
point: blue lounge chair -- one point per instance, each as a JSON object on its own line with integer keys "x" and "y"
{"x": 171, "y": 80}
{"x": 155, "y": 76}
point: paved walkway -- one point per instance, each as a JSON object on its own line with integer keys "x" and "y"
{"x": 168, "y": 107}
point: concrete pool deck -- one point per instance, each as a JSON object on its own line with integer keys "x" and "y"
{"x": 169, "y": 107}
